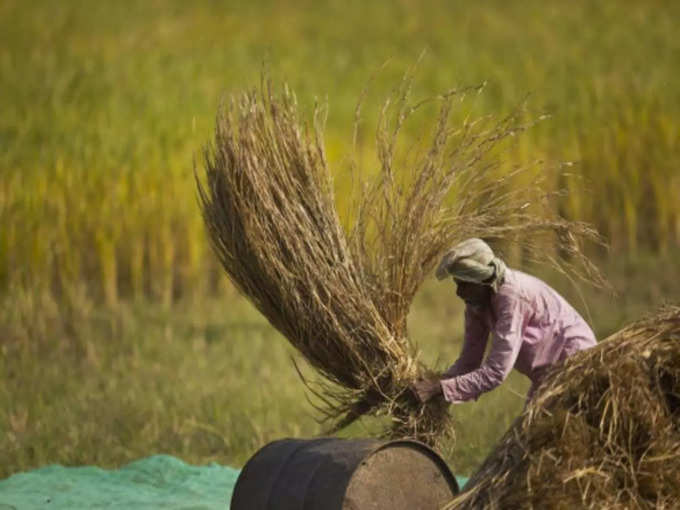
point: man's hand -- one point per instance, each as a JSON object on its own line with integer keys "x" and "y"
{"x": 427, "y": 389}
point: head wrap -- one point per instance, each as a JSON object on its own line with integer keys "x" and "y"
{"x": 472, "y": 261}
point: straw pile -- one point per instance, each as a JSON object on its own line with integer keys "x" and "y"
{"x": 603, "y": 432}
{"x": 341, "y": 295}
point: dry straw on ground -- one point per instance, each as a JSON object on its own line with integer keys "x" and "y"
{"x": 341, "y": 295}
{"x": 603, "y": 431}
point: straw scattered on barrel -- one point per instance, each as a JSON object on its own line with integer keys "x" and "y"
{"x": 341, "y": 296}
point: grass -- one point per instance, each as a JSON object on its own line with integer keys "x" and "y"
{"x": 211, "y": 380}
{"x": 191, "y": 382}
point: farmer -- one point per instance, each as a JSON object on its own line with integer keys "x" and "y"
{"x": 532, "y": 326}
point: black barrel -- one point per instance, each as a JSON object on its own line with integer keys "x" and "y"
{"x": 344, "y": 474}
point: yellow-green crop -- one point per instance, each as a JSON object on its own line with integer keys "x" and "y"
{"x": 103, "y": 107}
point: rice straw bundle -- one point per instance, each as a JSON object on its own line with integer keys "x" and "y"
{"x": 603, "y": 431}
{"x": 342, "y": 297}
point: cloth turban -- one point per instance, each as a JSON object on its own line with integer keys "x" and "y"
{"x": 472, "y": 261}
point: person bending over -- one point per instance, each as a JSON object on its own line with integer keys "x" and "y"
{"x": 532, "y": 326}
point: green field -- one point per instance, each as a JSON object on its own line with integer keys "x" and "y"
{"x": 119, "y": 335}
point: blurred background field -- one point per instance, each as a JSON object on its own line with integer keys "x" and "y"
{"x": 119, "y": 335}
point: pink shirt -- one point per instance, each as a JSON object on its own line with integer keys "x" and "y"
{"x": 532, "y": 327}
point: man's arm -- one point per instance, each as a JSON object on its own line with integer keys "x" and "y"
{"x": 507, "y": 340}
{"x": 474, "y": 343}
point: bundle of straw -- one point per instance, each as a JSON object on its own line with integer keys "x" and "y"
{"x": 341, "y": 296}
{"x": 603, "y": 432}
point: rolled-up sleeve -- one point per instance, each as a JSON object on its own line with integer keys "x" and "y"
{"x": 474, "y": 344}
{"x": 506, "y": 343}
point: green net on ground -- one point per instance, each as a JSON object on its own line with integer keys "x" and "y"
{"x": 160, "y": 481}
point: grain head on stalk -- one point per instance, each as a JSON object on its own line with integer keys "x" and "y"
{"x": 341, "y": 294}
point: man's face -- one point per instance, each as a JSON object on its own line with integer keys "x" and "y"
{"x": 474, "y": 294}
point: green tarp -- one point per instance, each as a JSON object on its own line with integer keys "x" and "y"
{"x": 160, "y": 481}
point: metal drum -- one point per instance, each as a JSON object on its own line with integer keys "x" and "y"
{"x": 347, "y": 474}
